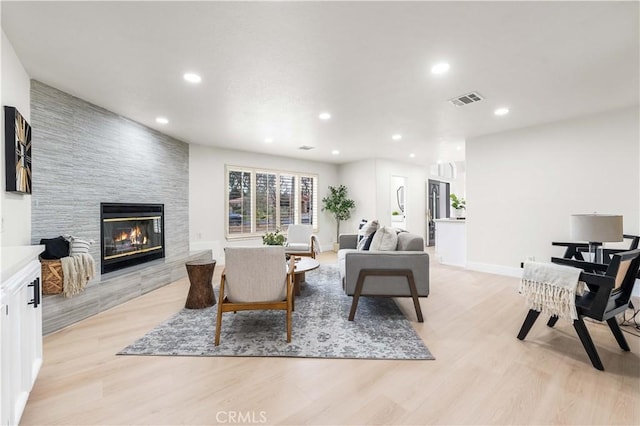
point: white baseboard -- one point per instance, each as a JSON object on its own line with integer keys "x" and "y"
{"x": 495, "y": 269}
{"x": 326, "y": 247}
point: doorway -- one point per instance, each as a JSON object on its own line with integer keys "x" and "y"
{"x": 437, "y": 206}
{"x": 397, "y": 202}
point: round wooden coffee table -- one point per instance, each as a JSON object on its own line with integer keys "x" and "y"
{"x": 303, "y": 264}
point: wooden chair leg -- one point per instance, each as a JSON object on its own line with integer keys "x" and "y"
{"x": 617, "y": 333}
{"x": 218, "y": 324}
{"x": 290, "y": 299}
{"x": 289, "y": 325}
{"x": 356, "y": 295}
{"x": 531, "y": 318}
{"x": 552, "y": 321}
{"x": 585, "y": 338}
{"x": 221, "y": 301}
{"x": 414, "y": 295}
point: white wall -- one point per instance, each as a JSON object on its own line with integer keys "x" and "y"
{"x": 457, "y": 185}
{"x": 358, "y": 177}
{"x": 16, "y": 208}
{"x": 207, "y": 194}
{"x": 369, "y": 183}
{"x": 523, "y": 185}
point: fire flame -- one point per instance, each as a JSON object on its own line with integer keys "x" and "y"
{"x": 123, "y": 236}
{"x": 135, "y": 236}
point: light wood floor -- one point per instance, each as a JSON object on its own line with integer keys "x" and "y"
{"x": 482, "y": 374}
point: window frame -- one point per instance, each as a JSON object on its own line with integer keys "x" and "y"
{"x": 253, "y": 171}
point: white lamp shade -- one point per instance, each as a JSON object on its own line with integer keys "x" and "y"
{"x": 596, "y": 227}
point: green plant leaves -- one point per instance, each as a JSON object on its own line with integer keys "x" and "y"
{"x": 457, "y": 203}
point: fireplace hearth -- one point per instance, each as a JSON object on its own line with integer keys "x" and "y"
{"x": 130, "y": 234}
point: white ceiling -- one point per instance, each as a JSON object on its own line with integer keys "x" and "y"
{"x": 269, "y": 68}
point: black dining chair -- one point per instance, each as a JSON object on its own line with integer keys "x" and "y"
{"x": 609, "y": 292}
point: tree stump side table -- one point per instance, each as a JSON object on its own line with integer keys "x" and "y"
{"x": 201, "y": 289}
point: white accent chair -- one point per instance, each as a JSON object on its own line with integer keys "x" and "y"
{"x": 255, "y": 278}
{"x": 301, "y": 241}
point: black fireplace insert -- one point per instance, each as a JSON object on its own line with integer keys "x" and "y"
{"x": 130, "y": 234}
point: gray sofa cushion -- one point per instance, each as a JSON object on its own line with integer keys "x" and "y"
{"x": 341, "y": 263}
{"x": 409, "y": 242}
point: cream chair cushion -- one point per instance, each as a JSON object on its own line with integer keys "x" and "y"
{"x": 255, "y": 274}
{"x": 299, "y": 237}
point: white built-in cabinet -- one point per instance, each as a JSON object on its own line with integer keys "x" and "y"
{"x": 451, "y": 242}
{"x": 20, "y": 328}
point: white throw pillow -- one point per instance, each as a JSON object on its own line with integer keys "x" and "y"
{"x": 79, "y": 246}
{"x": 364, "y": 232}
{"x": 385, "y": 239}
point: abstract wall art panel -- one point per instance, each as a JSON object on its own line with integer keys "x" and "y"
{"x": 17, "y": 140}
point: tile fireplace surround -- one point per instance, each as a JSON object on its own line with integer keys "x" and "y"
{"x": 112, "y": 289}
{"x": 87, "y": 156}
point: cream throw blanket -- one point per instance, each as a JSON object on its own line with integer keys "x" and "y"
{"x": 551, "y": 288}
{"x": 77, "y": 270}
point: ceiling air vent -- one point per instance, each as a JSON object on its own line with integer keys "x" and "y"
{"x": 306, "y": 147}
{"x": 467, "y": 99}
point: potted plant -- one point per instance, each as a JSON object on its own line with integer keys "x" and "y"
{"x": 459, "y": 205}
{"x": 273, "y": 238}
{"x": 339, "y": 205}
{"x": 396, "y": 216}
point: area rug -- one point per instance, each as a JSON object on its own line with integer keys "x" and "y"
{"x": 320, "y": 329}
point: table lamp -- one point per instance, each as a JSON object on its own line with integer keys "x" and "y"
{"x": 596, "y": 229}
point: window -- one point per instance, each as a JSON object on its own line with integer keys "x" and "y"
{"x": 287, "y": 201}
{"x": 260, "y": 201}
{"x": 265, "y": 202}
{"x": 239, "y": 202}
{"x": 308, "y": 198}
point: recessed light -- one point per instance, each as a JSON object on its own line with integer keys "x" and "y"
{"x": 268, "y": 140}
{"x": 501, "y": 111}
{"x": 458, "y": 148}
{"x": 335, "y": 152}
{"x": 412, "y": 155}
{"x": 324, "y": 116}
{"x": 396, "y": 137}
{"x": 440, "y": 68}
{"x": 162, "y": 120}
{"x": 439, "y": 161}
{"x": 192, "y": 78}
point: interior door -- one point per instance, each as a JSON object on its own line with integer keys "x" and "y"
{"x": 437, "y": 206}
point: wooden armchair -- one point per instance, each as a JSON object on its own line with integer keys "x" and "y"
{"x": 255, "y": 278}
{"x": 610, "y": 288}
{"x": 301, "y": 241}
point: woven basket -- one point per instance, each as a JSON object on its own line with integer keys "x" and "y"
{"x": 51, "y": 276}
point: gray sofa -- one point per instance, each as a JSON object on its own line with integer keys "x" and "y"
{"x": 385, "y": 273}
